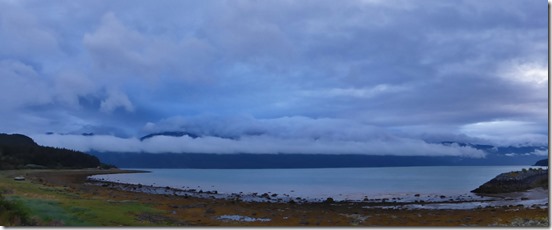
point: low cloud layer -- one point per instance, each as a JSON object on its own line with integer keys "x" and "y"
{"x": 256, "y": 145}
{"x": 303, "y": 135}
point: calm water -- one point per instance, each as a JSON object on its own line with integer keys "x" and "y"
{"x": 340, "y": 183}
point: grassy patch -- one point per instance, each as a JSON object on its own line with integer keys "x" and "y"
{"x": 55, "y": 206}
{"x": 13, "y": 213}
{"x": 105, "y": 213}
{"x": 49, "y": 212}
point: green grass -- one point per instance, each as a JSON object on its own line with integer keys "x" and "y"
{"x": 13, "y": 213}
{"x": 51, "y": 206}
{"x": 49, "y": 212}
{"x": 106, "y": 213}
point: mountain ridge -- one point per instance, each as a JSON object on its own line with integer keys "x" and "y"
{"x": 259, "y": 161}
{"x": 19, "y": 151}
{"x": 504, "y": 155}
{"x": 171, "y": 134}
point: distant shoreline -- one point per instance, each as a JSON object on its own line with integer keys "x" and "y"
{"x": 271, "y": 161}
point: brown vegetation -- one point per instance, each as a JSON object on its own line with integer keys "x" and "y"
{"x": 190, "y": 211}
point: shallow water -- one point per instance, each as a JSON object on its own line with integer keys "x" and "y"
{"x": 433, "y": 182}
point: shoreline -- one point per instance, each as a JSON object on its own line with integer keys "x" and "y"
{"x": 529, "y": 199}
{"x": 170, "y": 210}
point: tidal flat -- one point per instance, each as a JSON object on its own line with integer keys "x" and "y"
{"x": 66, "y": 198}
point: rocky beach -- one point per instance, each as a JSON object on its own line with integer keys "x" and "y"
{"x": 72, "y": 194}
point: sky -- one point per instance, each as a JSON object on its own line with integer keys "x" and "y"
{"x": 380, "y": 77}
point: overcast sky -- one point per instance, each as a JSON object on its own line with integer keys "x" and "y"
{"x": 351, "y": 76}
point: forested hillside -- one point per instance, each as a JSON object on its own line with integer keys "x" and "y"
{"x": 19, "y": 151}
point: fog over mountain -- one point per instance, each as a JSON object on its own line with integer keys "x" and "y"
{"x": 350, "y": 77}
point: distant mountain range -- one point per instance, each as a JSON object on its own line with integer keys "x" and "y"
{"x": 500, "y": 149}
{"x": 487, "y": 148}
{"x": 510, "y": 155}
{"x": 496, "y": 155}
{"x": 255, "y": 161}
{"x": 171, "y": 134}
{"x": 190, "y": 134}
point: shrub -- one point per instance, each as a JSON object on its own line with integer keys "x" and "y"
{"x": 329, "y": 200}
{"x": 107, "y": 166}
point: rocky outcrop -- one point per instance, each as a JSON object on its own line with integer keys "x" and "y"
{"x": 543, "y": 162}
{"x": 517, "y": 181}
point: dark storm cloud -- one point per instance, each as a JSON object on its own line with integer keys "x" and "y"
{"x": 404, "y": 68}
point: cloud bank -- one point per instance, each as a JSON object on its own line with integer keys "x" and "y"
{"x": 347, "y": 74}
{"x": 256, "y": 145}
